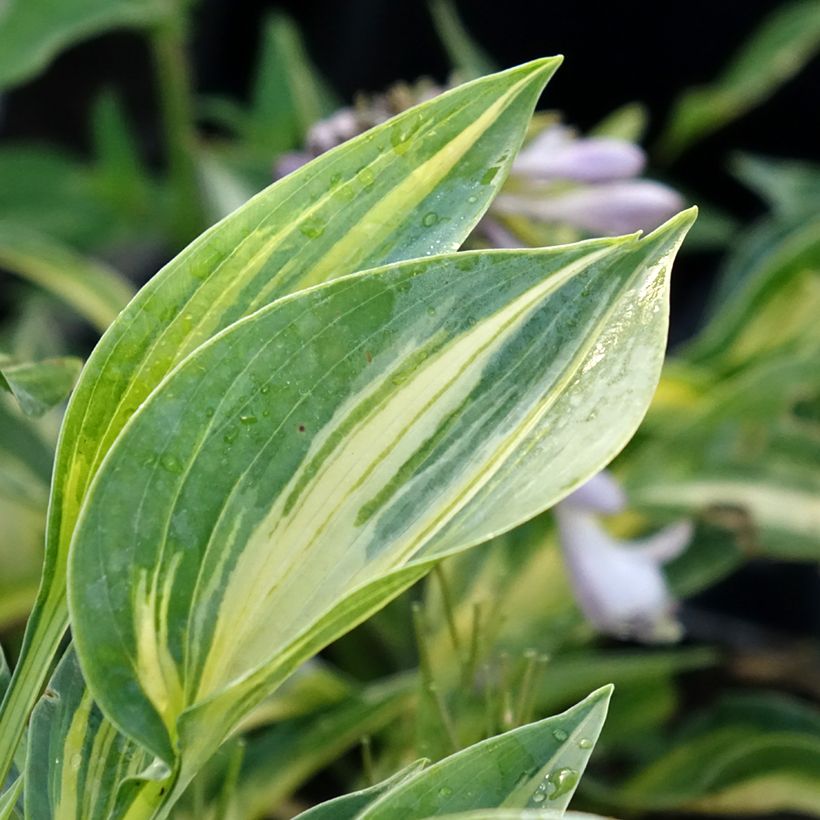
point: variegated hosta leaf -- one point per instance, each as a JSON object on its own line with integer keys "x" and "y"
{"x": 535, "y": 766}
{"x": 348, "y": 806}
{"x": 76, "y": 758}
{"x": 265, "y": 498}
{"x": 522, "y": 814}
{"x": 414, "y": 186}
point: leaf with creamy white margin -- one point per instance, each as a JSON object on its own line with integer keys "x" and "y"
{"x": 416, "y": 185}
{"x": 360, "y": 427}
{"x": 534, "y": 766}
{"x": 348, "y": 806}
{"x": 76, "y": 758}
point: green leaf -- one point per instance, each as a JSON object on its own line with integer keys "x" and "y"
{"x": 523, "y": 814}
{"x": 25, "y": 468}
{"x": 33, "y": 32}
{"x": 414, "y": 186}
{"x": 751, "y": 754}
{"x": 539, "y": 764}
{"x": 39, "y": 386}
{"x": 785, "y": 42}
{"x": 279, "y": 760}
{"x": 349, "y": 806}
{"x": 288, "y": 96}
{"x": 790, "y": 187}
{"x": 76, "y": 758}
{"x": 9, "y": 798}
{"x": 466, "y": 56}
{"x": 94, "y": 290}
{"x": 331, "y": 440}
{"x": 629, "y": 122}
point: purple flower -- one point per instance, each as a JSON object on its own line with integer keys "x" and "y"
{"x": 606, "y": 209}
{"x": 556, "y": 154}
{"x": 619, "y": 585}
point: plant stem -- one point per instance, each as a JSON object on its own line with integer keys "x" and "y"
{"x": 176, "y": 100}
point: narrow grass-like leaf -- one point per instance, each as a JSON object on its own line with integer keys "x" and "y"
{"x": 536, "y": 766}
{"x": 414, "y": 186}
{"x": 282, "y": 758}
{"x": 33, "y": 32}
{"x": 9, "y": 798}
{"x": 348, "y": 806}
{"x": 778, "y": 50}
{"x": 321, "y": 444}
{"x": 94, "y": 290}
{"x": 751, "y": 754}
{"x": 39, "y": 386}
{"x": 76, "y": 758}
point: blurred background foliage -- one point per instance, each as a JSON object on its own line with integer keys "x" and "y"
{"x": 128, "y": 126}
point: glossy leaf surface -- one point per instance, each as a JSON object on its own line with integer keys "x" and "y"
{"x": 289, "y": 466}
{"x": 414, "y": 186}
{"x": 536, "y": 766}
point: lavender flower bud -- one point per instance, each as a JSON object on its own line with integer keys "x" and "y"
{"x": 553, "y": 154}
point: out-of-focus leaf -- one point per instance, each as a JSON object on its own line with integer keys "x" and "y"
{"x": 773, "y": 306}
{"x": 790, "y": 187}
{"x": 349, "y": 806}
{"x": 288, "y": 95}
{"x": 51, "y": 193}
{"x": 25, "y": 468}
{"x": 415, "y": 186}
{"x": 466, "y": 55}
{"x": 76, "y": 758}
{"x": 523, "y": 352}
{"x": 39, "y": 386}
{"x": 778, "y": 50}
{"x": 539, "y": 764}
{"x": 119, "y": 175}
{"x": 33, "y": 32}
{"x": 280, "y": 759}
{"x": 629, "y": 122}
{"x": 94, "y": 290}
{"x": 9, "y": 798}
{"x": 314, "y": 686}
{"x": 750, "y": 755}
{"x": 741, "y": 447}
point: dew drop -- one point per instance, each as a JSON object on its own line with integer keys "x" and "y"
{"x": 445, "y": 791}
{"x": 560, "y": 735}
{"x": 171, "y": 463}
{"x": 76, "y": 761}
{"x": 562, "y": 781}
{"x": 585, "y": 743}
{"x": 264, "y": 389}
{"x": 472, "y": 199}
{"x": 248, "y": 419}
{"x": 431, "y": 311}
{"x": 312, "y": 231}
{"x": 538, "y": 797}
{"x": 430, "y": 219}
{"x": 489, "y": 175}
{"x": 230, "y": 435}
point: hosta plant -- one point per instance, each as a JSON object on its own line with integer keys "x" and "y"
{"x": 290, "y": 424}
